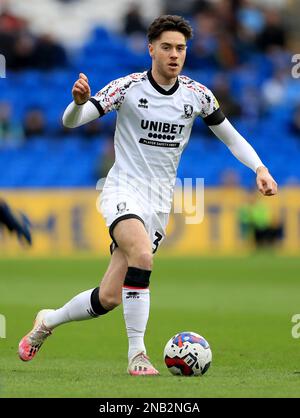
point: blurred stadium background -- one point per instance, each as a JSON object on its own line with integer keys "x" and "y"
{"x": 243, "y": 51}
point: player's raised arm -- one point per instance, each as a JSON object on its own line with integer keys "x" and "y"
{"x": 81, "y": 90}
{"x": 245, "y": 153}
{"x": 81, "y": 110}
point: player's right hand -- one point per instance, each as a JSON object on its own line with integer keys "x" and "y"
{"x": 81, "y": 90}
{"x": 265, "y": 182}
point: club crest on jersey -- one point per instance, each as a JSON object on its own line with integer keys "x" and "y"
{"x": 188, "y": 111}
{"x": 143, "y": 103}
{"x": 121, "y": 208}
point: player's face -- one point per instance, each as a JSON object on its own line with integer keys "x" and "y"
{"x": 168, "y": 54}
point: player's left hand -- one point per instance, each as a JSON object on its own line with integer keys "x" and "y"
{"x": 265, "y": 182}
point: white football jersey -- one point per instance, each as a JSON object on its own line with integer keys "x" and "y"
{"x": 153, "y": 128}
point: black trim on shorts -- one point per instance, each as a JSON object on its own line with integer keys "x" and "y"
{"x": 122, "y": 218}
{"x": 98, "y": 106}
{"x": 215, "y": 118}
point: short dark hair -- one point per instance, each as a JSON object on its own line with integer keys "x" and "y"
{"x": 169, "y": 23}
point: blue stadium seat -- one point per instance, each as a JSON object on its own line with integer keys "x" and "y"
{"x": 106, "y": 56}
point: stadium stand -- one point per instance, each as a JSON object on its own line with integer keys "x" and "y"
{"x": 71, "y": 22}
{"x": 67, "y": 159}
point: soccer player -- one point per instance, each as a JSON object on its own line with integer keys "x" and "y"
{"x": 156, "y": 110}
{"x": 15, "y": 223}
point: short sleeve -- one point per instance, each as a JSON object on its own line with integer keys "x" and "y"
{"x": 209, "y": 103}
{"x": 111, "y": 96}
{"x": 210, "y": 110}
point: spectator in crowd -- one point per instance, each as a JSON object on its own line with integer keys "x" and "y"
{"x": 274, "y": 89}
{"x": 221, "y": 88}
{"x": 133, "y": 21}
{"x": 267, "y": 233}
{"x": 34, "y": 123}
{"x": 205, "y": 45}
{"x": 49, "y": 54}
{"x": 10, "y": 27}
{"x": 23, "y": 52}
{"x": 257, "y": 223}
{"x": 134, "y": 27}
{"x": 273, "y": 33}
{"x": 226, "y": 12}
{"x": 6, "y": 45}
{"x": 250, "y": 18}
{"x": 187, "y": 8}
{"x": 11, "y": 133}
{"x": 9, "y": 23}
{"x": 249, "y": 21}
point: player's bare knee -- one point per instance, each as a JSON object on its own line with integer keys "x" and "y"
{"x": 142, "y": 259}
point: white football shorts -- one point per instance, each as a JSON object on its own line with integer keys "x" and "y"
{"x": 117, "y": 205}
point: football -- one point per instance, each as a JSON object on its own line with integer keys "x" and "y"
{"x": 187, "y": 354}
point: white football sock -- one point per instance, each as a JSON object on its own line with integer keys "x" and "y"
{"x": 77, "y": 309}
{"x": 136, "y": 305}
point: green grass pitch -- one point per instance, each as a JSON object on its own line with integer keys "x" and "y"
{"x": 242, "y": 306}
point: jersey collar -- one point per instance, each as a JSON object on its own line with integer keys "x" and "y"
{"x": 160, "y": 89}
